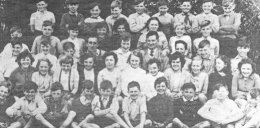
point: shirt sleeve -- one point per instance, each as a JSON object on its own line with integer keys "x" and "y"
{"x": 215, "y": 25}
{"x": 42, "y": 107}
{"x": 234, "y": 85}
{"x": 143, "y": 107}
{"x": 96, "y": 104}
{"x": 32, "y": 19}
{"x": 125, "y": 105}
{"x": 115, "y": 105}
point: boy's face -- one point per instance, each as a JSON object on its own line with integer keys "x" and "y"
{"x": 188, "y": 93}
{"x": 153, "y": 69}
{"x": 222, "y": 93}
{"x": 134, "y": 61}
{"x": 126, "y": 44}
{"x": 139, "y": 8}
{"x": 30, "y": 94}
{"x": 41, "y": 6}
{"x": 206, "y": 31}
{"x": 16, "y": 34}
{"x": 3, "y": 92}
{"x": 66, "y": 67}
{"x": 121, "y": 29}
{"x": 134, "y": 92}
{"x": 179, "y": 30}
{"x": 88, "y": 92}
{"x": 25, "y": 62}
{"x": 242, "y": 51}
{"x": 56, "y": 95}
{"x": 153, "y": 25}
{"x": 207, "y": 7}
{"x": 228, "y": 9}
{"x": 73, "y": 7}
{"x": 47, "y": 30}
{"x": 45, "y": 49}
{"x": 152, "y": 41}
{"x": 196, "y": 66}
{"x": 180, "y": 48}
{"x": 102, "y": 31}
{"x": 44, "y": 67}
{"x": 92, "y": 44}
{"x": 70, "y": 52}
{"x": 163, "y": 9}
{"x": 176, "y": 64}
{"x": 161, "y": 88}
{"x": 116, "y": 12}
{"x": 95, "y": 11}
{"x": 204, "y": 52}
{"x": 186, "y": 6}
{"x": 252, "y": 103}
{"x": 110, "y": 62}
{"x": 106, "y": 92}
{"x": 89, "y": 63}
{"x": 17, "y": 49}
{"x": 220, "y": 64}
{"x": 246, "y": 70}
{"x": 73, "y": 33}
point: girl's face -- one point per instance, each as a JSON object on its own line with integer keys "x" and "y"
{"x": 220, "y": 65}
{"x": 196, "y": 66}
{"x": 153, "y": 69}
{"x": 179, "y": 30}
{"x": 102, "y": 31}
{"x": 246, "y": 70}
{"x": 176, "y": 64}
{"x": 44, "y": 67}
{"x": 153, "y": 25}
{"x": 25, "y": 62}
{"x": 134, "y": 61}
{"x": 110, "y": 62}
{"x": 45, "y": 49}
{"x": 73, "y": 33}
{"x": 121, "y": 29}
{"x": 206, "y": 7}
{"x": 89, "y": 63}
{"x": 3, "y": 92}
{"x": 95, "y": 11}
{"x": 17, "y": 49}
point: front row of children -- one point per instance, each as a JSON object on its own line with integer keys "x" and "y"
{"x": 92, "y": 111}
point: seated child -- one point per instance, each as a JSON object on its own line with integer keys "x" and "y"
{"x": 221, "y": 111}
{"x": 80, "y": 112}
{"x": 160, "y": 107}
{"x": 105, "y": 107}
{"x": 186, "y": 108}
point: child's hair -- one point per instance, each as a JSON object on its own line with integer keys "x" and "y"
{"x": 227, "y": 3}
{"x": 149, "y": 21}
{"x": 68, "y": 45}
{"x": 93, "y": 5}
{"x": 206, "y": 1}
{"x": 87, "y": 84}
{"x": 205, "y": 23}
{"x": 197, "y": 58}
{"x": 188, "y": 86}
{"x": 15, "y": 29}
{"x": 204, "y": 43}
{"x": 66, "y": 59}
{"x": 6, "y": 84}
{"x": 102, "y": 24}
{"x": 226, "y": 60}
{"x": 160, "y": 80}
{"x": 116, "y": 4}
{"x": 110, "y": 54}
{"x": 137, "y": 54}
{"x": 23, "y": 55}
{"x": 175, "y": 56}
{"x": 247, "y": 61}
{"x": 125, "y": 36}
{"x": 254, "y": 92}
{"x": 29, "y": 85}
{"x": 71, "y": 2}
{"x": 186, "y": 1}
{"x": 162, "y": 3}
{"x": 121, "y": 21}
{"x": 73, "y": 27}
{"x": 56, "y": 86}
{"x": 46, "y": 42}
{"x": 218, "y": 86}
{"x": 47, "y": 23}
{"x": 136, "y": 2}
{"x": 46, "y": 60}
{"x": 106, "y": 84}
{"x": 179, "y": 24}
{"x": 85, "y": 56}
{"x": 243, "y": 42}
{"x": 152, "y": 33}
{"x": 133, "y": 84}
{"x": 181, "y": 42}
{"x": 15, "y": 41}
{"x": 154, "y": 61}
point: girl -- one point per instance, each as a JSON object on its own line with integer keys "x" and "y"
{"x": 43, "y": 77}
{"x": 222, "y": 75}
{"x": 199, "y": 79}
{"x": 103, "y": 36}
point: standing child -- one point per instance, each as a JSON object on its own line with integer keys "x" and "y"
{"x": 69, "y": 50}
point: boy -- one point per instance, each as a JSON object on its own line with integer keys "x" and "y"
{"x": 47, "y": 30}
{"x": 221, "y": 111}
{"x": 160, "y": 107}
{"x": 206, "y": 29}
{"x": 30, "y": 107}
{"x": 70, "y": 18}
{"x": 116, "y": 10}
{"x": 186, "y": 108}
{"x": 190, "y": 21}
{"x": 106, "y": 107}
{"x": 80, "y": 113}
{"x": 57, "y": 106}
{"x": 37, "y": 18}
{"x": 207, "y": 15}
{"x": 229, "y": 25}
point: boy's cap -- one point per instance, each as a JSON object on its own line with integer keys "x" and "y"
{"x": 227, "y": 3}
{"x": 72, "y": 1}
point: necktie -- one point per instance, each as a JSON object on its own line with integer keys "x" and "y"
{"x": 186, "y": 19}
{"x": 152, "y": 52}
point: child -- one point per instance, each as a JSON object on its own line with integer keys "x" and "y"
{"x": 69, "y": 50}
{"x": 180, "y": 31}
{"x": 160, "y": 107}
{"x": 189, "y": 20}
{"x": 181, "y": 47}
{"x": 45, "y": 47}
{"x": 37, "y": 18}
{"x": 116, "y": 10}
{"x": 66, "y": 75}
{"x": 134, "y": 107}
{"x": 102, "y": 31}
{"x": 207, "y": 15}
{"x": 30, "y": 107}
{"x": 199, "y": 78}
{"x": 43, "y": 77}
{"x": 57, "y": 106}
{"x": 81, "y": 112}
{"x": 206, "y": 29}
{"x": 229, "y": 25}
{"x": 47, "y": 30}
{"x": 70, "y": 18}
{"x": 186, "y": 108}
{"x": 165, "y": 18}
{"x": 153, "y": 68}
{"x": 106, "y": 107}
{"x": 221, "y": 111}
{"x": 89, "y": 24}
